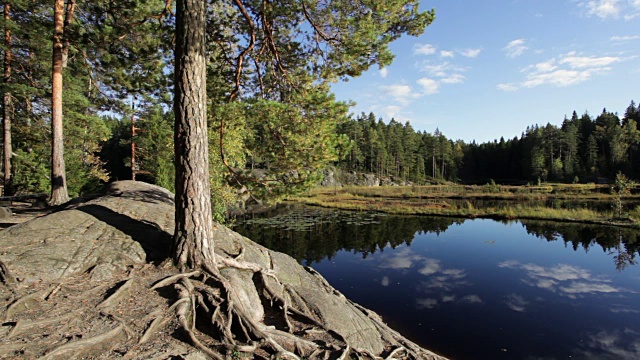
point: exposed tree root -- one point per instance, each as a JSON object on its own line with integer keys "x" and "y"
{"x": 23, "y": 325}
{"x": 25, "y": 302}
{"x": 236, "y": 306}
{"x": 212, "y": 293}
{"x": 155, "y": 325}
{"x": 117, "y": 295}
{"x": 75, "y": 346}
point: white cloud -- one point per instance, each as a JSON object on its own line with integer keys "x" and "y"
{"x": 438, "y": 70}
{"x": 384, "y": 72}
{"x": 546, "y": 66}
{"x": 470, "y": 53}
{"x": 444, "y": 73}
{"x": 424, "y": 49}
{"x": 515, "y": 48}
{"x": 391, "y": 111}
{"x": 508, "y": 87}
{"x": 568, "y": 69}
{"x": 581, "y": 62}
{"x": 385, "y": 281}
{"x": 400, "y": 92}
{"x": 447, "y": 53}
{"x": 558, "y": 78}
{"x": 625, "y": 38}
{"x": 429, "y": 86}
{"x": 603, "y": 8}
{"x": 611, "y": 9}
{"x": 454, "y": 79}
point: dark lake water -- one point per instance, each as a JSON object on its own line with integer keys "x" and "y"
{"x": 476, "y": 289}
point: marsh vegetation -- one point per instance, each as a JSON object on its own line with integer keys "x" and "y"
{"x": 595, "y": 203}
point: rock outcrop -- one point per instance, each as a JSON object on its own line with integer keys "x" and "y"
{"x": 127, "y": 231}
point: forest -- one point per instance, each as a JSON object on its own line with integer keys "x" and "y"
{"x": 88, "y": 91}
{"x": 582, "y": 149}
{"x": 119, "y": 123}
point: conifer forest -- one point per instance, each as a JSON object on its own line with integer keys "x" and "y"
{"x": 112, "y": 91}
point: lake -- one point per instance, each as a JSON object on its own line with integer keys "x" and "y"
{"x": 475, "y": 289}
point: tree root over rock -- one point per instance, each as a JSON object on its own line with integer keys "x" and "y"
{"x": 212, "y": 296}
{"x": 243, "y": 308}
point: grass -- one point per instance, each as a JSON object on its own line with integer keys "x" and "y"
{"x": 448, "y": 200}
{"x": 488, "y": 191}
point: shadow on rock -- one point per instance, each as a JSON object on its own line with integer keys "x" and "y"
{"x": 154, "y": 241}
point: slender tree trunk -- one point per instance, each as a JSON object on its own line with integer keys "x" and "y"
{"x": 68, "y": 18}
{"x": 6, "y": 103}
{"x": 133, "y": 140}
{"x": 193, "y": 240}
{"x": 59, "y": 193}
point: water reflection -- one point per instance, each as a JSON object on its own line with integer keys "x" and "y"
{"x": 516, "y": 302}
{"x": 474, "y": 289}
{"x": 564, "y": 279}
{"x": 622, "y": 243}
{"x": 618, "y": 344}
{"x": 312, "y": 234}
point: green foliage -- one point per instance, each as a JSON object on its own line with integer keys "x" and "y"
{"x": 32, "y": 172}
{"x": 621, "y": 187}
{"x": 154, "y": 147}
{"x": 491, "y": 187}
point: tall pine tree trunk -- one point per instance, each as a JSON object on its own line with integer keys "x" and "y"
{"x": 6, "y": 103}
{"x": 193, "y": 240}
{"x": 59, "y": 193}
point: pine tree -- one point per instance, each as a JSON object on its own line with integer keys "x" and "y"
{"x": 7, "y": 101}
{"x": 62, "y": 15}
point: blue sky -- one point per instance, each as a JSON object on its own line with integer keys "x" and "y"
{"x": 486, "y": 69}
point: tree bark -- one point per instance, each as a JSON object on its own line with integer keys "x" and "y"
{"x": 68, "y": 18}
{"x": 6, "y": 103}
{"x": 59, "y": 193}
{"x": 193, "y": 240}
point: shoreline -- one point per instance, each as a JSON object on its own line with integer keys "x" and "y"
{"x": 425, "y": 201}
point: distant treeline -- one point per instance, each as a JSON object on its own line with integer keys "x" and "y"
{"x": 582, "y": 149}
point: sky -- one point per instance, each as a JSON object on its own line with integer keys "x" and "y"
{"x": 487, "y": 69}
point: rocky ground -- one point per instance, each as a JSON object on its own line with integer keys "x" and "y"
{"x": 92, "y": 280}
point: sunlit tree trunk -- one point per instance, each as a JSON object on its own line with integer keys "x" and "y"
{"x": 6, "y": 103}
{"x": 193, "y": 241}
{"x": 59, "y": 193}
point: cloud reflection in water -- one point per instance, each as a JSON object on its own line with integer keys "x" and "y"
{"x": 567, "y": 280}
{"x": 619, "y": 344}
{"x": 438, "y": 280}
